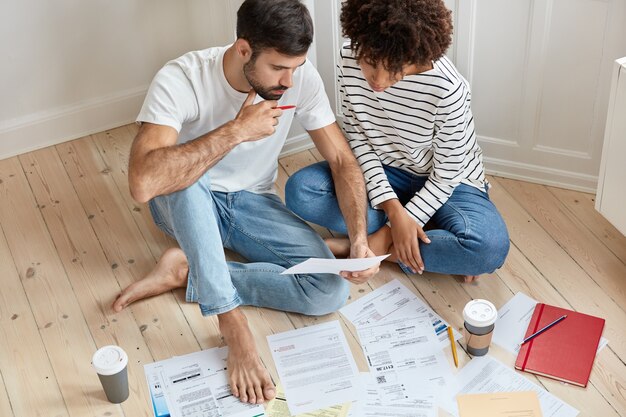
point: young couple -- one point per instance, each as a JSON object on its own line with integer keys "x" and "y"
{"x": 206, "y": 157}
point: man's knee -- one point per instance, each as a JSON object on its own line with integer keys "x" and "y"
{"x": 331, "y": 299}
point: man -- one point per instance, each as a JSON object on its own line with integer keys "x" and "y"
{"x": 409, "y": 123}
{"x": 205, "y": 158}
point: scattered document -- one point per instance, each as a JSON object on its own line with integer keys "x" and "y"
{"x": 513, "y": 319}
{"x": 394, "y": 300}
{"x": 333, "y": 266}
{"x": 500, "y": 404}
{"x": 406, "y": 393}
{"x": 195, "y": 385}
{"x": 278, "y": 408}
{"x": 488, "y": 375}
{"x": 397, "y": 345}
{"x": 316, "y": 367}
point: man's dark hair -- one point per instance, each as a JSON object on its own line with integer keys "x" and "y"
{"x": 395, "y": 33}
{"x": 283, "y": 25}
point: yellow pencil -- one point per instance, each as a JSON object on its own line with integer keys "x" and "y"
{"x": 453, "y": 344}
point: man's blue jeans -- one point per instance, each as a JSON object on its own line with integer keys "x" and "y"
{"x": 261, "y": 229}
{"x": 469, "y": 238}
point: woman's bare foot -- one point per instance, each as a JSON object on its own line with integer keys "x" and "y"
{"x": 379, "y": 242}
{"x": 169, "y": 273}
{"x": 470, "y": 278}
{"x": 339, "y": 246}
{"x": 248, "y": 378}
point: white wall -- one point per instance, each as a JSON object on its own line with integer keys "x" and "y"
{"x": 72, "y": 68}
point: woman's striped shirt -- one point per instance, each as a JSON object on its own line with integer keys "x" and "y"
{"x": 422, "y": 124}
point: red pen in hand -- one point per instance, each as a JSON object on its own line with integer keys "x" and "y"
{"x": 286, "y": 107}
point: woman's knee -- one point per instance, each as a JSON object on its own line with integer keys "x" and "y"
{"x": 306, "y": 184}
{"x": 493, "y": 250}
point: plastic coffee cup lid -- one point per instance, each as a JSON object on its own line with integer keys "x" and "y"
{"x": 480, "y": 313}
{"x": 109, "y": 360}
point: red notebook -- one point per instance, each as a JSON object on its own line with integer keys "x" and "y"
{"x": 566, "y": 350}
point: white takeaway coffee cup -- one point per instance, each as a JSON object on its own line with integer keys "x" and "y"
{"x": 479, "y": 320}
{"x": 111, "y": 362}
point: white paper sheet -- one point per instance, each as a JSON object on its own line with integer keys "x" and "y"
{"x": 196, "y": 385}
{"x": 407, "y": 392}
{"x": 397, "y": 345}
{"x": 486, "y": 374}
{"x": 404, "y": 398}
{"x": 333, "y": 266}
{"x": 316, "y": 367}
{"x": 391, "y": 301}
{"x": 513, "y": 319}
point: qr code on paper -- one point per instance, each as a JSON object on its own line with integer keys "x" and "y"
{"x": 381, "y": 379}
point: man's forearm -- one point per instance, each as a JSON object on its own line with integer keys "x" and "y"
{"x": 350, "y": 191}
{"x": 172, "y": 168}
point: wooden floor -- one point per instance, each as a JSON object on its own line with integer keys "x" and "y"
{"x": 71, "y": 237}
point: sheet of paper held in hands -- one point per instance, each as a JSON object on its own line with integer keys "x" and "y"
{"x": 391, "y": 301}
{"x": 315, "y": 366}
{"x": 500, "y": 404}
{"x": 195, "y": 385}
{"x": 513, "y": 319}
{"x": 488, "y": 375}
{"x": 333, "y": 266}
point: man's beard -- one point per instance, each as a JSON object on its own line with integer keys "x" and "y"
{"x": 265, "y": 92}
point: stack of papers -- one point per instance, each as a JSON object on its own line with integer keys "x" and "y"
{"x": 402, "y": 339}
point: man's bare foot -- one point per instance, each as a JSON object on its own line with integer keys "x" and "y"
{"x": 248, "y": 378}
{"x": 169, "y": 273}
{"x": 470, "y": 278}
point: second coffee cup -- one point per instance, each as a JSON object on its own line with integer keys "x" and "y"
{"x": 480, "y": 317}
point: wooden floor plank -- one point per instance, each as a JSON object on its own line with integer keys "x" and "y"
{"x": 56, "y": 310}
{"x": 161, "y": 321}
{"x": 33, "y": 390}
{"x": 583, "y": 207}
{"x": 575, "y": 238}
{"x": 5, "y": 404}
{"x": 88, "y": 270}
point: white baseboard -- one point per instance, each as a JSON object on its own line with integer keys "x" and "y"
{"x": 541, "y": 175}
{"x": 65, "y": 123}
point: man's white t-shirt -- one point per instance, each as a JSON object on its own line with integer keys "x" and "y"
{"x": 191, "y": 95}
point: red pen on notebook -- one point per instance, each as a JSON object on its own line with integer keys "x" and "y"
{"x": 286, "y": 107}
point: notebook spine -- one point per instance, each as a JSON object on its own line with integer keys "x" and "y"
{"x": 530, "y": 342}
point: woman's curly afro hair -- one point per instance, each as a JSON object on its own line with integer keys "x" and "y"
{"x": 396, "y": 33}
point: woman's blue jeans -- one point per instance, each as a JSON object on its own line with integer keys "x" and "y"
{"x": 261, "y": 229}
{"x": 469, "y": 236}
